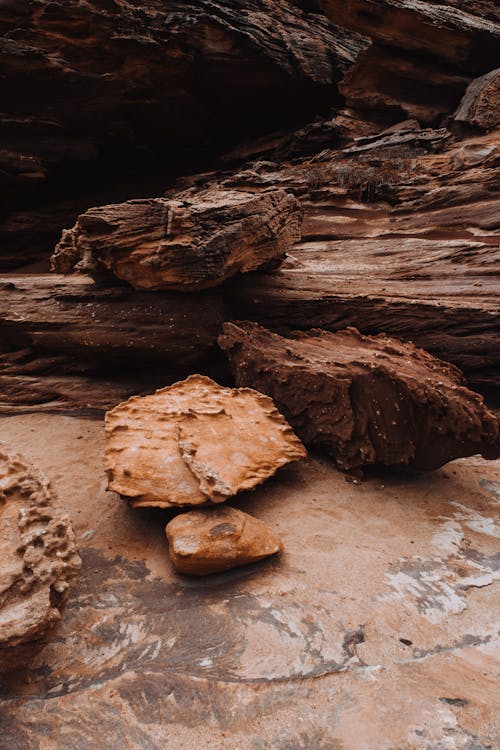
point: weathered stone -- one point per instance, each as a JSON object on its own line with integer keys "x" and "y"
{"x": 480, "y": 105}
{"x": 365, "y": 399}
{"x": 186, "y": 244}
{"x": 73, "y": 316}
{"x": 212, "y": 540}
{"x": 112, "y": 88}
{"x": 195, "y": 443}
{"x": 38, "y": 564}
{"x": 400, "y": 236}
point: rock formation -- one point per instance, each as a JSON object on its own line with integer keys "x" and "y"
{"x": 213, "y": 540}
{"x": 387, "y": 220}
{"x": 422, "y": 54}
{"x": 195, "y": 443}
{"x": 187, "y": 244}
{"x": 365, "y": 399}
{"x": 112, "y": 88}
{"x": 39, "y": 560}
{"x": 399, "y": 180}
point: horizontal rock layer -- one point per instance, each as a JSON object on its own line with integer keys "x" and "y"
{"x": 187, "y": 244}
{"x": 38, "y": 564}
{"x": 364, "y": 399}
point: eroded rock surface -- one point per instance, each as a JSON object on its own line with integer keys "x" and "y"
{"x": 186, "y": 244}
{"x": 480, "y": 106}
{"x": 365, "y": 399}
{"x": 216, "y": 539}
{"x": 114, "y": 86}
{"x": 195, "y": 443}
{"x": 39, "y": 560}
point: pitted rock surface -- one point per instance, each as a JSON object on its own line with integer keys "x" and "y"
{"x": 365, "y": 399}
{"x": 216, "y": 539}
{"x": 39, "y": 560}
{"x": 195, "y": 443}
{"x": 193, "y": 242}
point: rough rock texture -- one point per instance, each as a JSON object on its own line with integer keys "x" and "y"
{"x": 480, "y": 105}
{"x": 365, "y": 399}
{"x": 185, "y": 244}
{"x": 75, "y": 317}
{"x": 195, "y": 443}
{"x": 400, "y": 235}
{"x": 210, "y": 541}
{"x": 39, "y": 561}
{"x": 92, "y": 89}
{"x": 422, "y": 56}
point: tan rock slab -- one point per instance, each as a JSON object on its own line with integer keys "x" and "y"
{"x": 217, "y": 539}
{"x": 38, "y": 563}
{"x": 195, "y": 443}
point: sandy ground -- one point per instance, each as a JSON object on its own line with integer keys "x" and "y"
{"x": 377, "y": 628}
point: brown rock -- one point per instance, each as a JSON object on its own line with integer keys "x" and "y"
{"x": 38, "y": 564}
{"x": 183, "y": 245}
{"x": 210, "y": 541}
{"x": 480, "y": 105}
{"x": 115, "y": 87}
{"x": 73, "y": 316}
{"x": 365, "y": 399}
{"x": 195, "y": 443}
{"x": 400, "y": 236}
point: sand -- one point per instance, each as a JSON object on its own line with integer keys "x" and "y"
{"x": 376, "y": 629}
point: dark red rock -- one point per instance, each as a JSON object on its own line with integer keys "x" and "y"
{"x": 364, "y": 399}
{"x": 96, "y": 89}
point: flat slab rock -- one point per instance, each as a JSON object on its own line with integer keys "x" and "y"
{"x": 184, "y": 244}
{"x": 38, "y": 564}
{"x": 217, "y": 539}
{"x": 195, "y": 443}
{"x": 365, "y": 399}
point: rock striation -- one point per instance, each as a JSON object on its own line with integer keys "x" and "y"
{"x": 39, "y": 560}
{"x": 201, "y": 542}
{"x": 195, "y": 443}
{"x": 365, "y": 399}
{"x": 114, "y": 87}
{"x": 187, "y": 244}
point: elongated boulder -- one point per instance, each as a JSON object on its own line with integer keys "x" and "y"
{"x": 213, "y": 540}
{"x": 186, "y": 244}
{"x": 195, "y": 443}
{"x": 365, "y": 399}
{"x": 38, "y": 563}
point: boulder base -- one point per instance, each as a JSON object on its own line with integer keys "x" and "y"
{"x": 365, "y": 399}
{"x": 214, "y": 540}
{"x": 195, "y": 443}
{"x": 38, "y": 564}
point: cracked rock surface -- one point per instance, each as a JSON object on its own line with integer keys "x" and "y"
{"x": 39, "y": 560}
{"x": 195, "y": 443}
{"x": 365, "y": 399}
{"x": 212, "y": 540}
{"x": 191, "y": 243}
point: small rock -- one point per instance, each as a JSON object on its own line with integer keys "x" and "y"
{"x": 195, "y": 443}
{"x": 217, "y": 539}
